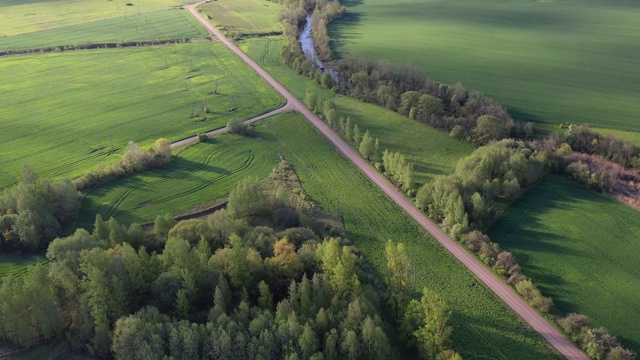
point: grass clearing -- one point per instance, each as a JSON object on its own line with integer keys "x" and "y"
{"x": 432, "y": 152}
{"x": 57, "y": 107}
{"x": 570, "y": 61}
{"x": 198, "y": 173}
{"x": 244, "y": 17}
{"x": 484, "y": 328}
{"x": 22, "y": 16}
{"x": 152, "y": 26}
{"x": 631, "y": 136}
{"x": 581, "y": 249}
{"x": 17, "y": 264}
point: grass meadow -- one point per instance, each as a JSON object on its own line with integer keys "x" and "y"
{"x": 484, "y": 328}
{"x": 23, "y": 16}
{"x": 431, "y": 151}
{"x": 561, "y": 61}
{"x": 198, "y": 173}
{"x": 58, "y": 107}
{"x": 152, "y": 26}
{"x": 244, "y": 17}
{"x": 581, "y": 249}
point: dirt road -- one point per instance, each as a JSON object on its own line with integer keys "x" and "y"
{"x": 504, "y": 292}
{"x": 287, "y": 107}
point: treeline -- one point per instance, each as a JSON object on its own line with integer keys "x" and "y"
{"x": 393, "y": 164}
{"x": 324, "y": 12}
{"x": 596, "y": 342}
{"x": 133, "y": 160}
{"x": 36, "y": 211}
{"x": 89, "y": 46}
{"x": 482, "y": 186}
{"x": 233, "y": 288}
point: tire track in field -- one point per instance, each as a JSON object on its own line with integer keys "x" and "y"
{"x": 113, "y": 210}
{"x": 246, "y": 164}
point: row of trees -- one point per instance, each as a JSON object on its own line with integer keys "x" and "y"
{"x": 596, "y": 342}
{"x": 36, "y": 211}
{"x": 133, "y": 160}
{"x": 261, "y": 293}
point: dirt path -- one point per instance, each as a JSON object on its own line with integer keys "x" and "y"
{"x": 504, "y": 292}
{"x": 286, "y": 107}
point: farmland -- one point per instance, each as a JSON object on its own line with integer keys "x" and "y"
{"x": 431, "y": 151}
{"x": 560, "y": 61}
{"x": 242, "y": 17}
{"x": 199, "y": 173}
{"x": 57, "y": 108}
{"x": 581, "y": 249}
{"x": 152, "y": 26}
{"x": 22, "y": 16}
{"x": 483, "y": 326}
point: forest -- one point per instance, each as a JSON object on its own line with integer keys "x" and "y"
{"x": 258, "y": 280}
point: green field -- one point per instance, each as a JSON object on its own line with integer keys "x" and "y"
{"x": 243, "y": 17}
{"x": 56, "y": 107}
{"x": 22, "y": 16}
{"x": 553, "y": 61}
{"x": 157, "y": 25}
{"x": 431, "y": 151}
{"x": 197, "y": 174}
{"x": 581, "y": 248}
{"x": 17, "y": 264}
{"x": 484, "y": 328}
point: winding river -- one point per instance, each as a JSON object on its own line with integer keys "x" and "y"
{"x": 309, "y": 51}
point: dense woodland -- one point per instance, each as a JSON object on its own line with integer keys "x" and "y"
{"x": 261, "y": 279}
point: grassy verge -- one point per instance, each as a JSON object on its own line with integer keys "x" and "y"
{"x": 431, "y": 151}
{"x": 153, "y": 26}
{"x": 553, "y": 61}
{"x": 57, "y": 108}
{"x": 244, "y": 17}
{"x": 580, "y": 248}
{"x": 483, "y": 326}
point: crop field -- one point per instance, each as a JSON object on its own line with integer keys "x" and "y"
{"x": 581, "y": 248}
{"x": 198, "y": 173}
{"x": 243, "y": 17}
{"x": 152, "y": 26}
{"x": 63, "y": 112}
{"x": 562, "y": 61}
{"x": 22, "y": 16}
{"x": 431, "y": 151}
{"x": 17, "y": 264}
{"x": 483, "y": 327}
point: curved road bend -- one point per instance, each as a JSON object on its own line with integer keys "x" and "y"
{"x": 504, "y": 292}
{"x": 286, "y": 107}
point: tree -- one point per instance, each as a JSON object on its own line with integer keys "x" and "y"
{"x": 491, "y": 128}
{"x": 367, "y": 146}
{"x": 357, "y": 134}
{"x": 247, "y": 199}
{"x": 222, "y": 225}
{"x": 426, "y": 324}
{"x": 398, "y": 274}
{"x": 308, "y": 342}
{"x": 325, "y": 81}
{"x": 162, "y": 225}
{"x": 311, "y": 99}
{"x": 265, "y": 300}
{"x": 351, "y": 346}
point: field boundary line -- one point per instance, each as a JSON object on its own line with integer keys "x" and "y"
{"x": 504, "y": 292}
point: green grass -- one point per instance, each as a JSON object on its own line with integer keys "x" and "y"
{"x": 199, "y": 173}
{"x": 244, "y": 17}
{"x": 431, "y": 151}
{"x": 22, "y": 16}
{"x": 484, "y": 328}
{"x": 17, "y": 264}
{"x": 631, "y": 136}
{"x": 157, "y": 25}
{"x": 56, "y": 106}
{"x": 581, "y": 248}
{"x": 551, "y": 61}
